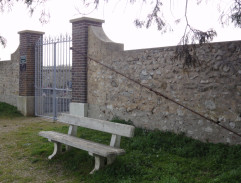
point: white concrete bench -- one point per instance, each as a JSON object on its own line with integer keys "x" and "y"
{"x": 104, "y": 154}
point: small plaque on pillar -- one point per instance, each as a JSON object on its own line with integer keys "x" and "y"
{"x": 23, "y": 63}
{"x": 23, "y": 59}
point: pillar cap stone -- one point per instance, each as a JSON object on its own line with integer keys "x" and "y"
{"x": 30, "y": 31}
{"x": 87, "y": 19}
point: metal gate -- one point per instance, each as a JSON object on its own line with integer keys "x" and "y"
{"x": 53, "y": 76}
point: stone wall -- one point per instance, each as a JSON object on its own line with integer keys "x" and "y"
{"x": 9, "y": 79}
{"x": 212, "y": 89}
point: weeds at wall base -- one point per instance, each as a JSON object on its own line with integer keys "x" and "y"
{"x": 8, "y": 111}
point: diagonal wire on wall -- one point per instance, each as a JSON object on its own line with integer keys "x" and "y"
{"x": 161, "y": 95}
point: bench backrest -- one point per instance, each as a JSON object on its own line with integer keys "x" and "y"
{"x": 100, "y": 125}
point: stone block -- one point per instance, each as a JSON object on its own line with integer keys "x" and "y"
{"x": 26, "y": 105}
{"x": 78, "y": 109}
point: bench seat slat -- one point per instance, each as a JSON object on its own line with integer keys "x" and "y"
{"x": 93, "y": 147}
{"x": 100, "y": 125}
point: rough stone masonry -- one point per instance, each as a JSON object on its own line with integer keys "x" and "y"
{"x": 212, "y": 89}
{"x": 9, "y": 79}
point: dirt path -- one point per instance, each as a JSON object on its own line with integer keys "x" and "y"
{"x": 8, "y": 125}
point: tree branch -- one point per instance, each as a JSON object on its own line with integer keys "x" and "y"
{"x": 3, "y": 41}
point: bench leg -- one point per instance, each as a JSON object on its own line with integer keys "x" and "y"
{"x": 111, "y": 159}
{"x": 73, "y": 132}
{"x": 99, "y": 163}
{"x": 57, "y": 149}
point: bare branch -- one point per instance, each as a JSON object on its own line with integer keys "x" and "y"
{"x": 155, "y": 16}
{"x": 191, "y": 36}
{"x": 31, "y": 5}
{"x": 3, "y": 41}
{"x": 44, "y": 18}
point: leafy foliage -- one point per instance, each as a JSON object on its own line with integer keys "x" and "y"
{"x": 233, "y": 14}
{"x": 6, "y": 5}
{"x": 236, "y": 13}
{"x": 187, "y": 52}
{"x": 191, "y": 35}
{"x": 157, "y": 16}
{"x": 203, "y": 37}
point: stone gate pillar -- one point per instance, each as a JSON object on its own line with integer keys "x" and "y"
{"x": 25, "y": 101}
{"x": 80, "y": 27}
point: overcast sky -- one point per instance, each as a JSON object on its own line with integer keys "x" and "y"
{"x": 119, "y": 17}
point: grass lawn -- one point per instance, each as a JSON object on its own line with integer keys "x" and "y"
{"x": 8, "y": 111}
{"x": 150, "y": 157}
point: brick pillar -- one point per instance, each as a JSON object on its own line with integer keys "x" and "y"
{"x": 80, "y": 28}
{"x": 27, "y": 70}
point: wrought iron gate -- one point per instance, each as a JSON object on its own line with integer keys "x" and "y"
{"x": 53, "y": 76}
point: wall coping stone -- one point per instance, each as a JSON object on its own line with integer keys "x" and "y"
{"x": 86, "y": 19}
{"x": 30, "y": 31}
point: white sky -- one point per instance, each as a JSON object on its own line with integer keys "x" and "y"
{"x": 119, "y": 17}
